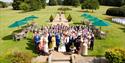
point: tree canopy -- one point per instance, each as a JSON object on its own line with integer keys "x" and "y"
{"x": 29, "y": 5}
{"x": 3, "y": 4}
{"x": 112, "y": 2}
{"x": 90, "y": 4}
{"x": 53, "y": 2}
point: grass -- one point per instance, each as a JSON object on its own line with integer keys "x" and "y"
{"x": 115, "y": 38}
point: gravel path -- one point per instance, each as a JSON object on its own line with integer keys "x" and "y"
{"x": 60, "y": 19}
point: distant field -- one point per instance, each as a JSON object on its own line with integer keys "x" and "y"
{"x": 115, "y": 37}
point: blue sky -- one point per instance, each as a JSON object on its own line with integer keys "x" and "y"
{"x": 12, "y": 0}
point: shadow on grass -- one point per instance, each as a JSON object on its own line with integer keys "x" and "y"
{"x": 17, "y": 31}
{"x": 8, "y": 37}
{"x": 122, "y": 29}
{"x": 30, "y": 46}
{"x": 77, "y": 23}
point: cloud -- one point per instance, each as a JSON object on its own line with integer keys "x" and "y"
{"x": 7, "y": 0}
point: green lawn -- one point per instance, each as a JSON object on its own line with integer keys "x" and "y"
{"x": 115, "y": 38}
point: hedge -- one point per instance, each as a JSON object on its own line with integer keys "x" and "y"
{"x": 116, "y": 11}
{"x": 115, "y": 55}
{"x": 112, "y": 2}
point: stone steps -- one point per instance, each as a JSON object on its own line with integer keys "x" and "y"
{"x": 57, "y": 57}
{"x": 61, "y": 62}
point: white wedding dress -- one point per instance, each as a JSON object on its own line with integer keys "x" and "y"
{"x": 62, "y": 47}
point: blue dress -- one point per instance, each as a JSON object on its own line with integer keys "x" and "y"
{"x": 57, "y": 39}
{"x": 36, "y": 40}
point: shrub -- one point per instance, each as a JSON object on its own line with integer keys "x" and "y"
{"x": 19, "y": 57}
{"x": 64, "y": 9}
{"x": 69, "y": 18}
{"x": 115, "y": 55}
{"x": 24, "y": 6}
{"x": 51, "y": 18}
{"x": 116, "y": 11}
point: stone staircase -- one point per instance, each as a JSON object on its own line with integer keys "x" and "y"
{"x": 57, "y": 57}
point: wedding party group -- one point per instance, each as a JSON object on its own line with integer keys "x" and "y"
{"x": 61, "y": 38}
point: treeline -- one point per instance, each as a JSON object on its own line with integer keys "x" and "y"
{"x": 3, "y": 4}
{"x": 28, "y": 5}
{"x": 64, "y": 2}
{"x": 112, "y": 2}
{"x": 90, "y": 4}
{"x": 31, "y": 5}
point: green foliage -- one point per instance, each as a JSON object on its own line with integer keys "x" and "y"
{"x": 25, "y": 7}
{"x": 59, "y": 2}
{"x": 81, "y": 1}
{"x": 75, "y": 3}
{"x": 18, "y": 57}
{"x": 16, "y": 4}
{"x": 43, "y": 3}
{"x": 31, "y": 5}
{"x": 67, "y": 2}
{"x": 52, "y": 2}
{"x": 116, "y": 11}
{"x": 35, "y": 5}
{"x": 64, "y": 9}
{"x": 90, "y": 4}
{"x": 51, "y": 18}
{"x": 3, "y": 4}
{"x": 112, "y": 2}
{"x": 69, "y": 18}
{"x": 115, "y": 55}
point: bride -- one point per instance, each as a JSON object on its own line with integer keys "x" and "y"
{"x": 62, "y": 47}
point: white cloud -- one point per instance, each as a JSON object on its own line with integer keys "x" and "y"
{"x": 7, "y": 0}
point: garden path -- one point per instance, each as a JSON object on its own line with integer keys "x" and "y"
{"x": 60, "y": 19}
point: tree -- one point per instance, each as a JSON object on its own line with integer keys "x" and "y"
{"x": 67, "y": 2}
{"x": 3, "y": 4}
{"x": 51, "y": 18}
{"x": 43, "y": 3}
{"x": 16, "y": 4}
{"x": 59, "y": 2}
{"x": 75, "y": 3}
{"x": 112, "y": 2}
{"x": 81, "y": 1}
{"x": 35, "y": 5}
{"x": 90, "y": 4}
{"x": 69, "y": 18}
{"x": 52, "y": 2}
{"x": 30, "y": 4}
{"x": 25, "y": 7}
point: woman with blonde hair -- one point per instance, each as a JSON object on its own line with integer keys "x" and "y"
{"x": 52, "y": 44}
